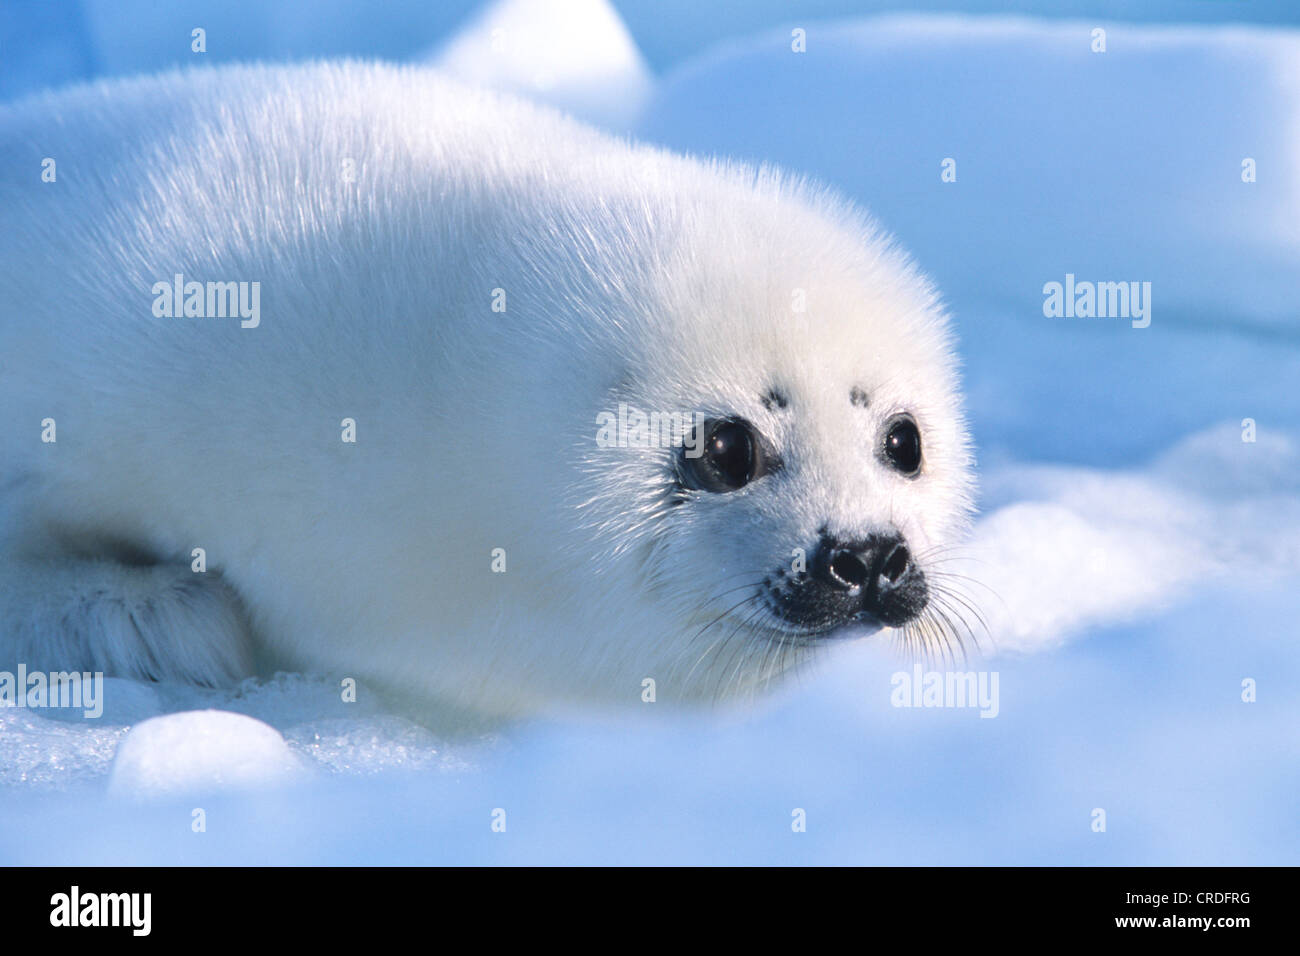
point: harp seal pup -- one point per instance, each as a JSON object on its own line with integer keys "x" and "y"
{"x": 420, "y": 439}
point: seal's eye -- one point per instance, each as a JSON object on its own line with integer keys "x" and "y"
{"x": 903, "y": 445}
{"x": 730, "y": 457}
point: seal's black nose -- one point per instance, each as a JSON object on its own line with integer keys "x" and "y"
{"x": 878, "y": 575}
{"x": 846, "y": 569}
{"x": 878, "y": 562}
{"x": 894, "y": 566}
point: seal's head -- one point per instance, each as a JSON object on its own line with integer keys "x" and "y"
{"x": 824, "y": 471}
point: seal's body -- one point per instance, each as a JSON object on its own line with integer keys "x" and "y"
{"x": 342, "y": 368}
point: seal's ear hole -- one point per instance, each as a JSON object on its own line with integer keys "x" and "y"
{"x": 901, "y": 446}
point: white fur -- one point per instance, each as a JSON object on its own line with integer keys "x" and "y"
{"x": 631, "y": 275}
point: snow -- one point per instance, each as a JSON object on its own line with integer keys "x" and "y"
{"x": 576, "y": 55}
{"x": 1135, "y": 560}
{"x": 1075, "y": 546}
{"x": 130, "y": 36}
{"x": 200, "y": 751}
{"x": 1113, "y": 166}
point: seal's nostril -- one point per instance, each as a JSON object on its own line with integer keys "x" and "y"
{"x": 848, "y": 570}
{"x": 896, "y": 564}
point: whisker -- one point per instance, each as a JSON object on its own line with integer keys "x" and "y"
{"x": 743, "y": 650}
{"x": 700, "y": 633}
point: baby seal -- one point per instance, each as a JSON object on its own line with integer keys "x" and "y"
{"x": 349, "y": 369}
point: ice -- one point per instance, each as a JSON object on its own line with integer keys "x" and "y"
{"x": 1113, "y": 166}
{"x": 200, "y": 751}
{"x": 576, "y": 55}
{"x": 1144, "y": 722}
{"x": 136, "y": 36}
{"x": 1082, "y": 546}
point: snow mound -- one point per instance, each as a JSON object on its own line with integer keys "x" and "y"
{"x": 1122, "y": 165}
{"x": 576, "y": 55}
{"x": 200, "y": 751}
{"x": 1081, "y": 547}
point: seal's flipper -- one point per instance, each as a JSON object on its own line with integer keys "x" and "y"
{"x": 151, "y": 622}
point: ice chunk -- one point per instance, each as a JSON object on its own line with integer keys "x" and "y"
{"x": 576, "y": 55}
{"x": 201, "y": 750}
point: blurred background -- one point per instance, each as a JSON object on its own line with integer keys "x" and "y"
{"x": 51, "y": 42}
